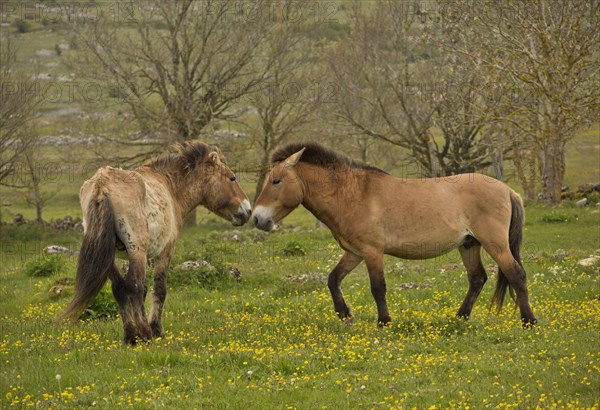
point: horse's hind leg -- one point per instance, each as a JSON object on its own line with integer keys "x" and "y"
{"x": 348, "y": 262}
{"x": 515, "y": 274}
{"x": 159, "y": 293}
{"x": 129, "y": 293}
{"x": 136, "y": 279}
{"x": 471, "y": 258}
{"x": 121, "y": 293}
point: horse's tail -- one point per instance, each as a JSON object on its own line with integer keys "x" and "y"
{"x": 96, "y": 257}
{"x": 515, "y": 236}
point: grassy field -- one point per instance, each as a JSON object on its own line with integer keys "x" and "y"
{"x": 272, "y": 339}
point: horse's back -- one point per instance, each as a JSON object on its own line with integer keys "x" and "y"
{"x": 126, "y": 192}
{"x": 121, "y": 186}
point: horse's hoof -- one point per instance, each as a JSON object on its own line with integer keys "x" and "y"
{"x": 348, "y": 320}
{"x": 384, "y": 322}
{"x": 345, "y": 315}
{"x": 528, "y": 323}
{"x": 157, "y": 330}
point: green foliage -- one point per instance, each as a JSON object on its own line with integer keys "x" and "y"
{"x": 213, "y": 275}
{"x": 103, "y": 307}
{"x": 294, "y": 248}
{"x": 48, "y": 265}
{"x": 558, "y": 216}
{"x": 22, "y": 26}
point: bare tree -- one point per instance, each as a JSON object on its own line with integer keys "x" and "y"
{"x": 399, "y": 86}
{"x": 548, "y": 54}
{"x": 19, "y": 97}
{"x": 178, "y": 65}
{"x": 285, "y": 104}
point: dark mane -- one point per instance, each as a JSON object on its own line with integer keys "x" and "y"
{"x": 317, "y": 154}
{"x": 189, "y": 154}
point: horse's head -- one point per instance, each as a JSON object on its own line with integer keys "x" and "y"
{"x": 281, "y": 193}
{"x": 222, "y": 192}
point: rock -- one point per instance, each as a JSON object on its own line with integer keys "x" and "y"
{"x": 581, "y": 202}
{"x": 412, "y": 285}
{"x": 235, "y": 236}
{"x": 56, "y": 291}
{"x": 56, "y": 249}
{"x": 235, "y": 273}
{"x": 67, "y": 223}
{"x": 591, "y": 261}
{"x": 19, "y": 220}
{"x": 559, "y": 255}
{"x": 313, "y": 276}
{"x": 199, "y": 264}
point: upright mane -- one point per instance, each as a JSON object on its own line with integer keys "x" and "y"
{"x": 188, "y": 155}
{"x": 317, "y": 154}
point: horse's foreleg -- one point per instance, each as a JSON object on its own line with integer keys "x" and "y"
{"x": 378, "y": 287}
{"x": 348, "y": 262}
{"x": 159, "y": 293}
{"x": 471, "y": 258}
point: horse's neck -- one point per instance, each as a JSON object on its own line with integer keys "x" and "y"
{"x": 186, "y": 195}
{"x": 189, "y": 198}
{"x": 327, "y": 198}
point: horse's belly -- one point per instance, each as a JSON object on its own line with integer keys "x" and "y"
{"x": 161, "y": 231}
{"x": 420, "y": 246}
{"x": 162, "y": 225}
{"x": 420, "y": 250}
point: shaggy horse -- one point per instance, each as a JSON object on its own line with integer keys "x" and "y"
{"x": 371, "y": 213}
{"x": 141, "y": 212}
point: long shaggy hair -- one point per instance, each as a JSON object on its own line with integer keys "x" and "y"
{"x": 189, "y": 154}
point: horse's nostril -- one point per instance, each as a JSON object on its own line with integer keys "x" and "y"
{"x": 255, "y": 220}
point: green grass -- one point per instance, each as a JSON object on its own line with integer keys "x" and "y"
{"x": 274, "y": 341}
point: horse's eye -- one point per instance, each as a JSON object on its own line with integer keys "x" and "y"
{"x": 276, "y": 181}
{"x": 233, "y": 178}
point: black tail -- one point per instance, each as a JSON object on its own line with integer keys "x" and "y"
{"x": 515, "y": 236}
{"x": 96, "y": 257}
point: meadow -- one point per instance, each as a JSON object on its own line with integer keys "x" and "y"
{"x": 272, "y": 339}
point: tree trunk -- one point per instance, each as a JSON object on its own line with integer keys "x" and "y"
{"x": 262, "y": 174}
{"x": 496, "y": 155}
{"x": 38, "y": 201}
{"x": 553, "y": 171}
{"x": 190, "y": 219}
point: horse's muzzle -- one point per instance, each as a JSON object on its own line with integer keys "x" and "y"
{"x": 265, "y": 224}
{"x": 242, "y": 215}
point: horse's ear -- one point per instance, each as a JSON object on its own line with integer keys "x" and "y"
{"x": 294, "y": 158}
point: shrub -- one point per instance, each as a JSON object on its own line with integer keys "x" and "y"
{"x": 104, "y": 306}
{"x": 45, "y": 266}
{"x": 22, "y": 26}
{"x": 557, "y": 216}
{"x": 213, "y": 275}
{"x": 294, "y": 248}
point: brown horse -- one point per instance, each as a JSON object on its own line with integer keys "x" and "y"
{"x": 141, "y": 212}
{"x": 372, "y": 213}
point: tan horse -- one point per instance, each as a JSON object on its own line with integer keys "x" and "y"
{"x": 141, "y": 212}
{"x": 372, "y": 213}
